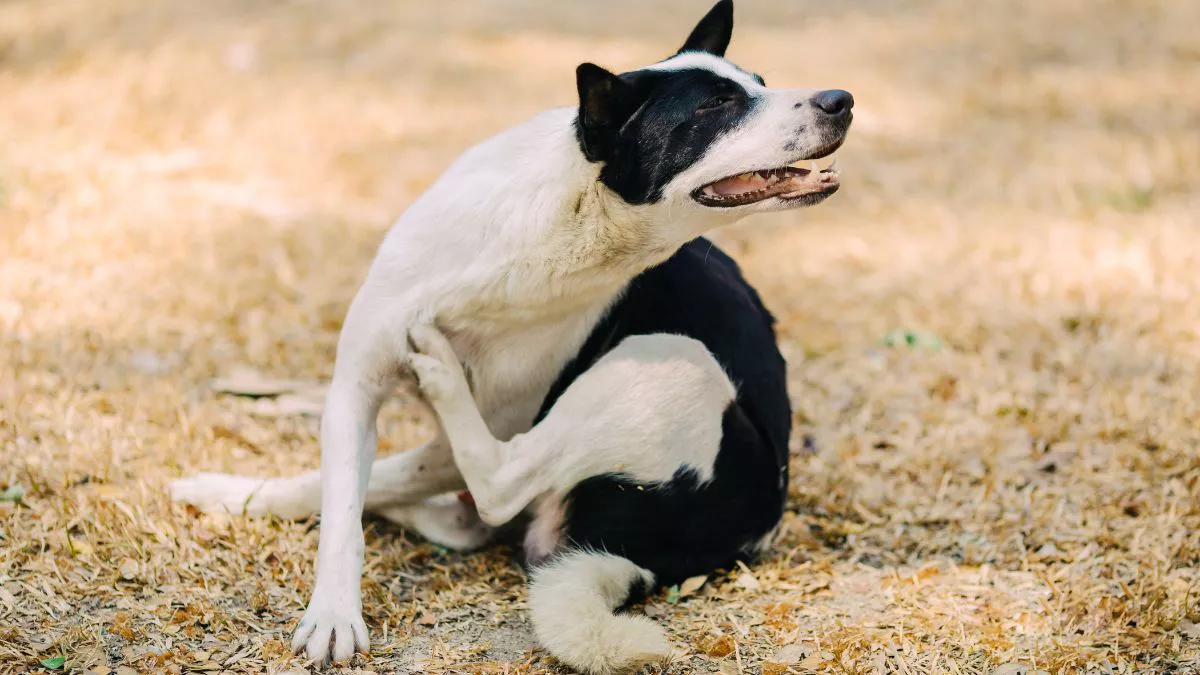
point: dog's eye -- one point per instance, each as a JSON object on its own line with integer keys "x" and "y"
{"x": 715, "y": 102}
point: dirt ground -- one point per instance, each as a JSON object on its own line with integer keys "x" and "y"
{"x": 993, "y": 330}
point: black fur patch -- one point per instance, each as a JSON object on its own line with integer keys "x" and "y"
{"x": 678, "y": 529}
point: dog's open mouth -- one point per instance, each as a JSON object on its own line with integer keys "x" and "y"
{"x": 786, "y": 183}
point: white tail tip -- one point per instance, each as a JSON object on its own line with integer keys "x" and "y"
{"x": 572, "y": 600}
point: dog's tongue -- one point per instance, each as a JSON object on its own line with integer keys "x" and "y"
{"x": 746, "y": 182}
{"x": 755, "y": 186}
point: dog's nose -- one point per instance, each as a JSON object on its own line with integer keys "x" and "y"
{"x": 833, "y": 102}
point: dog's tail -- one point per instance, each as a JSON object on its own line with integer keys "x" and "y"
{"x": 572, "y": 598}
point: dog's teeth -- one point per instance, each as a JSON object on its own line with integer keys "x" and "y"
{"x": 814, "y": 168}
{"x": 833, "y": 167}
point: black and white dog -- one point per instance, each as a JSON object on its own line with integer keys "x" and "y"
{"x": 594, "y": 363}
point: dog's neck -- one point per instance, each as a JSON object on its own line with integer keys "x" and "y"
{"x": 600, "y": 235}
{"x": 521, "y": 228}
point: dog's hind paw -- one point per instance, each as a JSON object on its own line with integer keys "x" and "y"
{"x": 293, "y": 498}
{"x": 221, "y": 493}
{"x": 435, "y": 364}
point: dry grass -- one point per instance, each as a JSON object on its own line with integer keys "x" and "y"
{"x": 193, "y": 187}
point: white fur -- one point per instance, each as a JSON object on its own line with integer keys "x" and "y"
{"x": 545, "y": 531}
{"x": 706, "y": 61}
{"x": 572, "y": 600}
{"x": 445, "y": 520}
{"x": 514, "y": 252}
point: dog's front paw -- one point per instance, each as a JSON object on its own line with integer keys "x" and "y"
{"x": 331, "y": 630}
{"x": 435, "y": 364}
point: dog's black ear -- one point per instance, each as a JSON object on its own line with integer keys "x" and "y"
{"x": 605, "y": 103}
{"x": 714, "y": 31}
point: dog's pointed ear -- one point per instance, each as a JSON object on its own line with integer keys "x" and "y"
{"x": 605, "y": 103}
{"x": 714, "y": 31}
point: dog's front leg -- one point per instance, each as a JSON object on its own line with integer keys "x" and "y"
{"x": 366, "y": 371}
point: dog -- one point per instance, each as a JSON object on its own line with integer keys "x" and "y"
{"x": 594, "y": 363}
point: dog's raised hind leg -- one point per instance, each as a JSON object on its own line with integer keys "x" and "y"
{"x": 477, "y": 453}
{"x": 613, "y": 418}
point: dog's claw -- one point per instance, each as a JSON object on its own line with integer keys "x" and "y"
{"x": 331, "y": 633}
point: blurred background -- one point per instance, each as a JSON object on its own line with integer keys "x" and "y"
{"x": 993, "y": 329}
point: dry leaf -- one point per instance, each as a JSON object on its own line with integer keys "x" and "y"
{"x": 203, "y": 534}
{"x": 691, "y": 585}
{"x": 815, "y": 659}
{"x": 274, "y": 649}
{"x": 237, "y": 657}
{"x": 85, "y": 657}
{"x": 1190, "y": 629}
{"x": 80, "y": 546}
{"x": 1017, "y": 669}
{"x": 260, "y": 601}
{"x": 789, "y": 654}
{"x": 122, "y": 626}
{"x": 129, "y": 569}
{"x": 717, "y": 645}
{"x": 747, "y": 581}
{"x": 730, "y": 668}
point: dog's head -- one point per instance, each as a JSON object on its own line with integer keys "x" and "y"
{"x": 696, "y": 131}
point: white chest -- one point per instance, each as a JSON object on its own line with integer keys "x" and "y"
{"x": 511, "y": 367}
